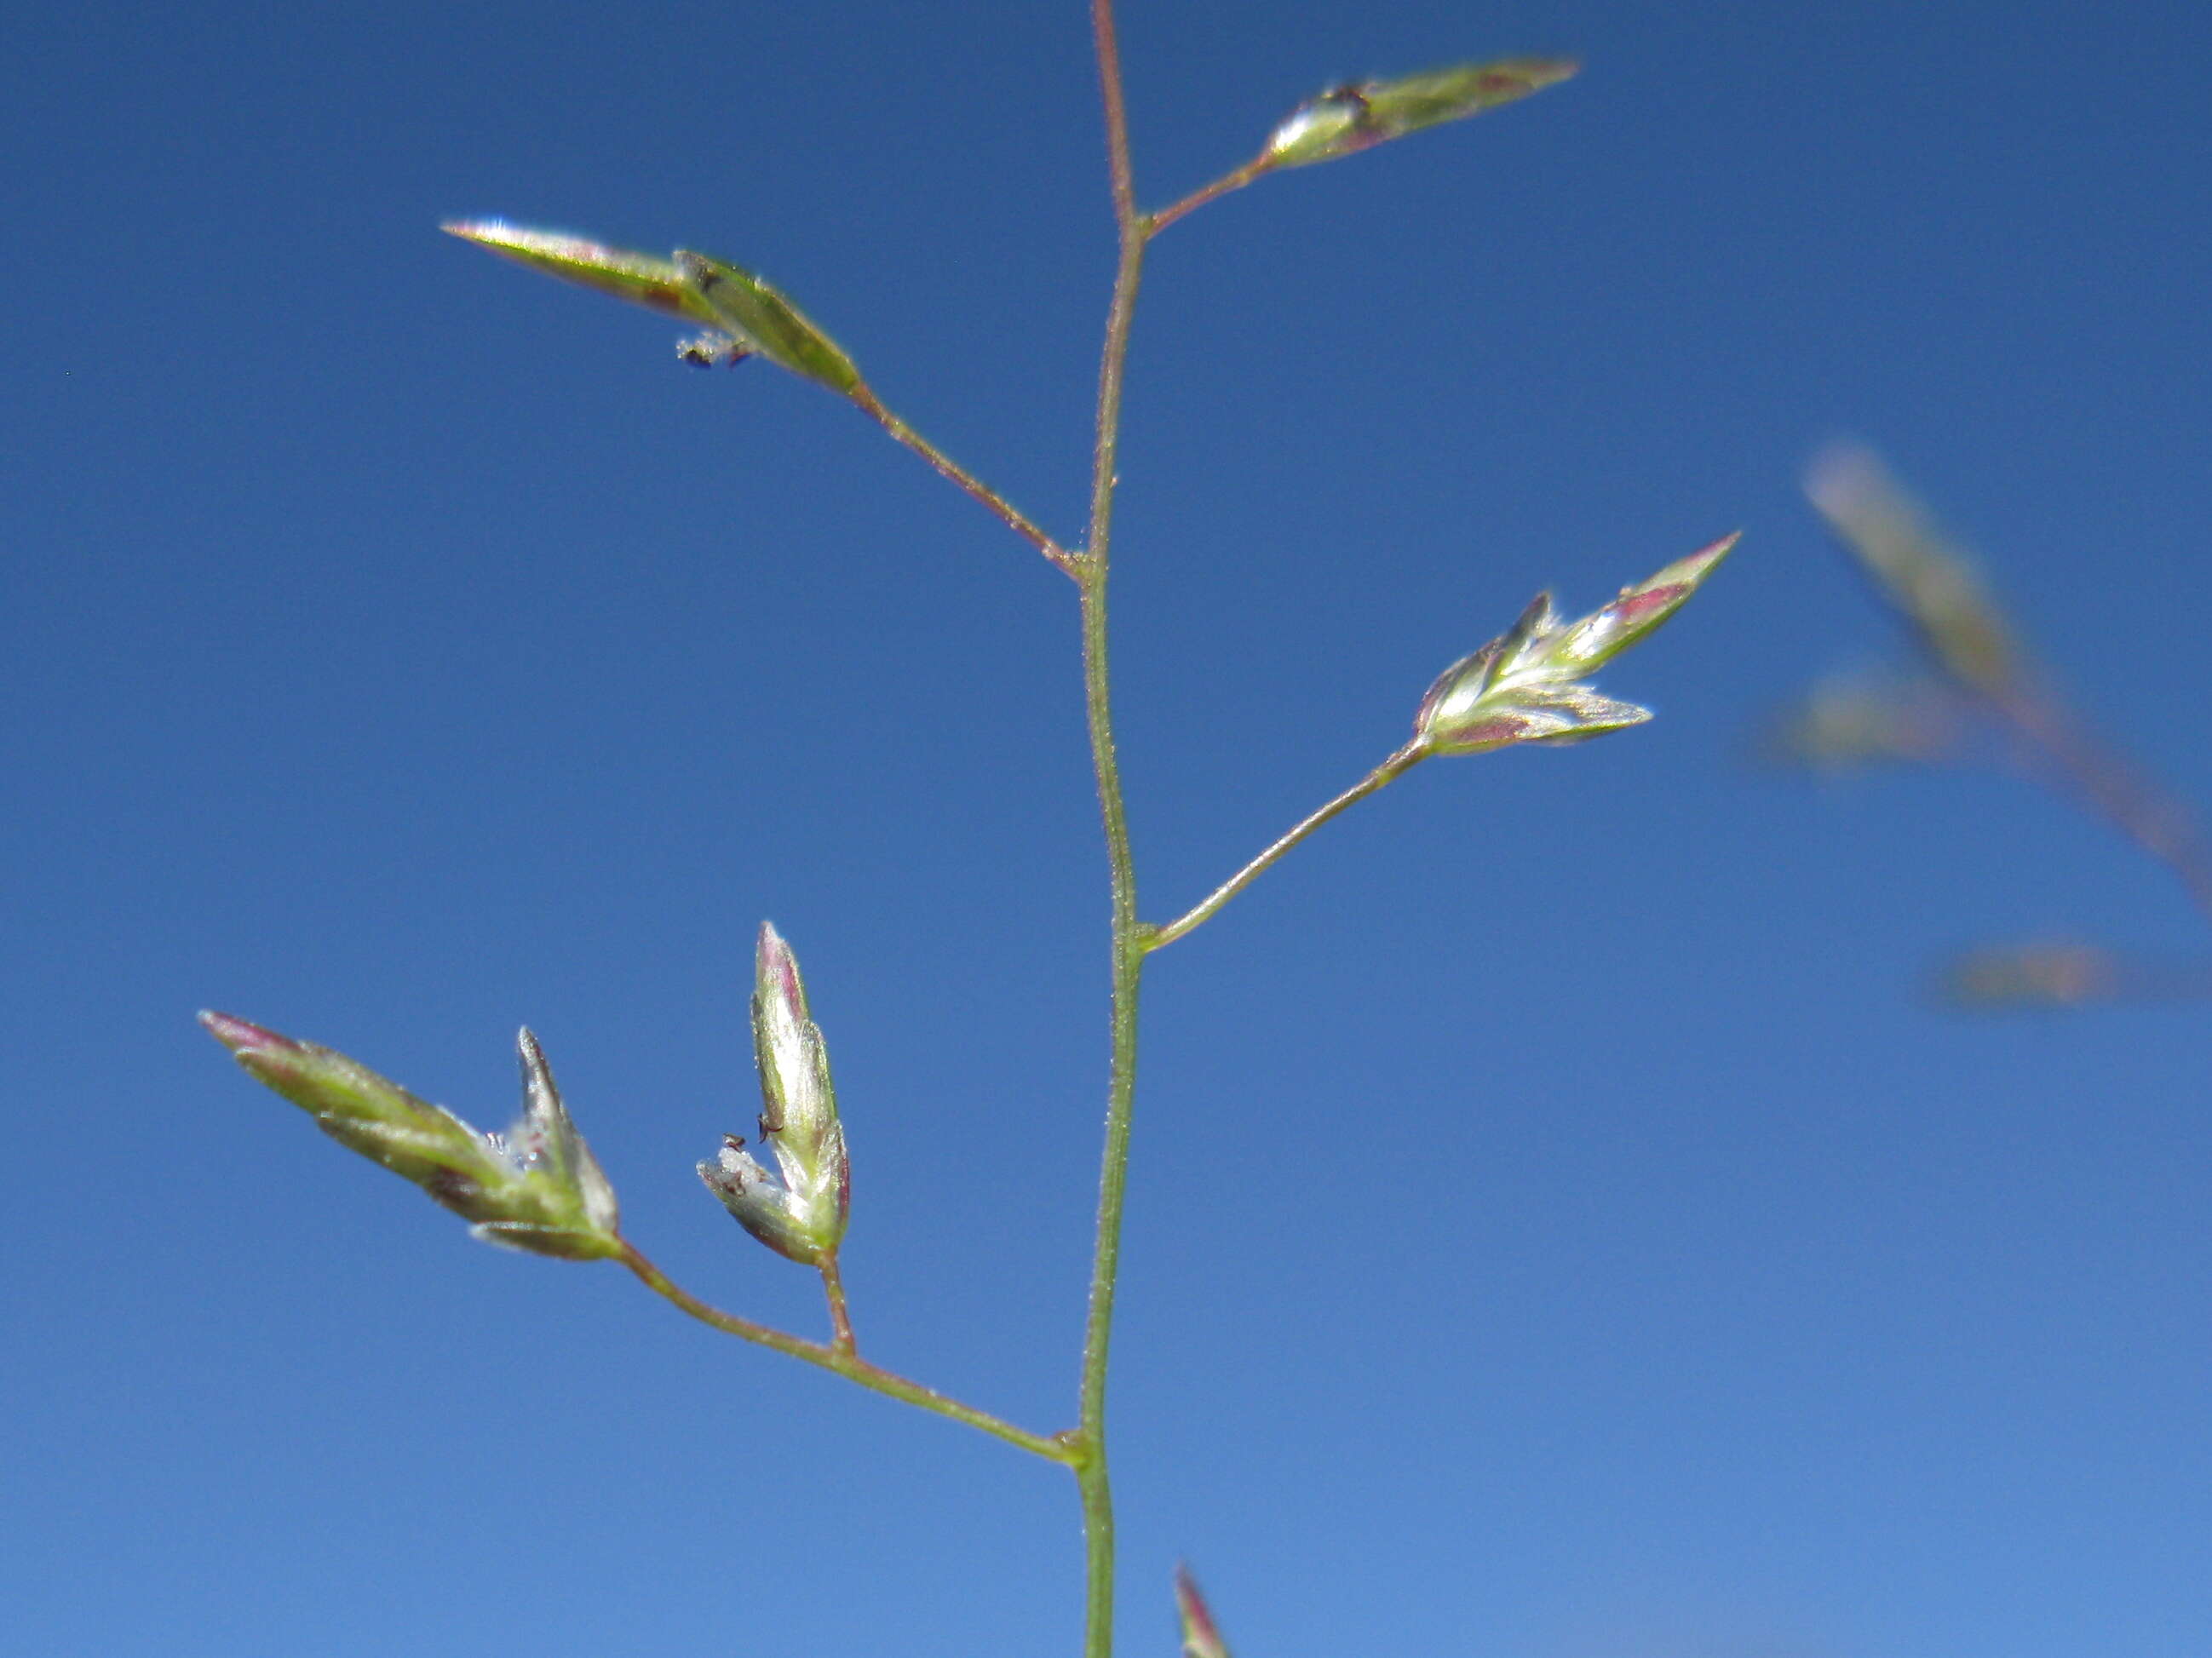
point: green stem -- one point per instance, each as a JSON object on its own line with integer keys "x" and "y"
{"x": 840, "y": 1320}
{"x": 842, "y": 1362}
{"x": 1088, "y": 1443}
{"x": 1127, "y": 965}
{"x": 947, "y": 467}
{"x": 1258, "y": 167}
{"x": 1389, "y": 771}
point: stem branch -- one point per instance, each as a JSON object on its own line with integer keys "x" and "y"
{"x": 947, "y": 467}
{"x": 1258, "y": 167}
{"x": 840, "y": 1320}
{"x": 2125, "y": 797}
{"x": 1389, "y": 771}
{"x": 842, "y": 1362}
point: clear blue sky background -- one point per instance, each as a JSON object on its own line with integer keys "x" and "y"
{"x": 1560, "y": 1229}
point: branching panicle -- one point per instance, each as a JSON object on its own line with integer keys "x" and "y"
{"x": 537, "y": 1186}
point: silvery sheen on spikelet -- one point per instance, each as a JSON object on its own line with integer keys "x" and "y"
{"x": 804, "y": 1217}
{"x": 536, "y": 1188}
{"x": 1525, "y": 685}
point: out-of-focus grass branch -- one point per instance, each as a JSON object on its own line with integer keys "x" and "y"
{"x": 1977, "y": 670}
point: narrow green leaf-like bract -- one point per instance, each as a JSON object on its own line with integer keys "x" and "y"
{"x": 747, "y": 307}
{"x": 1348, "y": 120}
{"x": 754, "y": 315}
{"x": 640, "y": 278}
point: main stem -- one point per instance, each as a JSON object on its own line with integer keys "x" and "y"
{"x": 1088, "y": 1443}
{"x": 1128, "y": 964}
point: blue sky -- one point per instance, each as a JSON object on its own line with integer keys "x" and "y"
{"x": 1560, "y": 1225}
